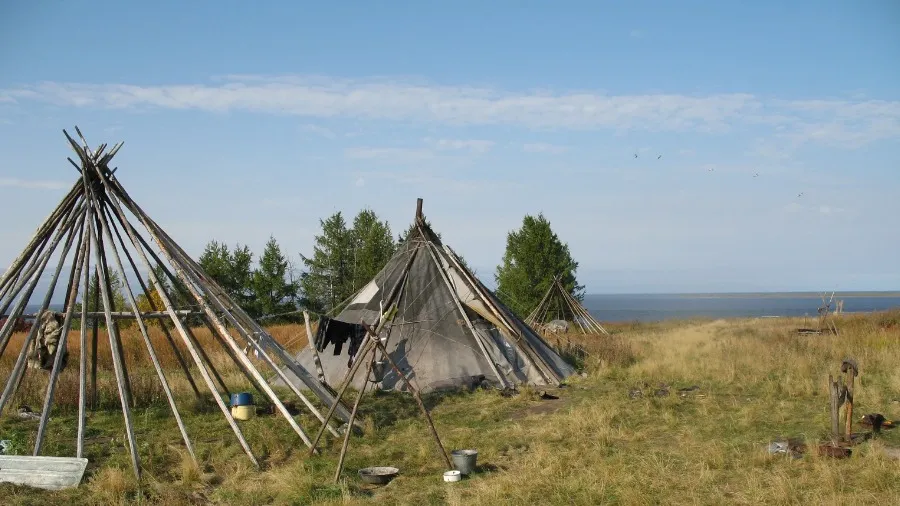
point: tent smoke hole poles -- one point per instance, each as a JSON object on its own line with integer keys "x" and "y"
{"x": 93, "y": 229}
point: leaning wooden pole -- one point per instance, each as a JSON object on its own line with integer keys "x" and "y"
{"x": 239, "y": 319}
{"x": 154, "y": 307}
{"x": 72, "y": 221}
{"x": 95, "y": 338}
{"x": 182, "y": 331}
{"x": 72, "y": 294}
{"x": 83, "y": 354}
{"x": 349, "y": 431}
{"x": 348, "y": 378}
{"x": 142, "y": 327}
{"x": 18, "y": 371}
{"x": 43, "y": 231}
{"x": 415, "y": 393}
{"x": 118, "y": 362}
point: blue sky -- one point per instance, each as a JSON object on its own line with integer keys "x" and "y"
{"x": 243, "y": 120}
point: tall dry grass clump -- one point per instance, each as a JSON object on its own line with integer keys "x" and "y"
{"x": 145, "y": 385}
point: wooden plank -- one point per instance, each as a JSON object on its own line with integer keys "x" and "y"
{"x": 50, "y": 473}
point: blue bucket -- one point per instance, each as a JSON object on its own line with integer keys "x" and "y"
{"x": 241, "y": 399}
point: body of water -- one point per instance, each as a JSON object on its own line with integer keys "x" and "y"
{"x": 656, "y": 307}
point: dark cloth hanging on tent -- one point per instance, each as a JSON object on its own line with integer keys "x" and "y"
{"x": 337, "y": 333}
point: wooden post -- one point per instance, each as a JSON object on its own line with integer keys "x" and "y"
{"x": 344, "y": 385}
{"x": 836, "y": 394}
{"x": 851, "y": 369}
{"x": 415, "y": 392}
{"x": 82, "y": 355}
{"x": 118, "y": 362}
{"x": 179, "y": 327}
{"x": 142, "y": 327}
{"x": 154, "y": 307}
{"x": 312, "y": 345}
{"x": 95, "y": 330}
{"x": 349, "y": 431}
{"x": 71, "y": 295}
{"x": 419, "y": 209}
{"x": 462, "y": 311}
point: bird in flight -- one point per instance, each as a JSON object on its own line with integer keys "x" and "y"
{"x": 658, "y": 157}
{"x": 635, "y": 155}
{"x": 756, "y": 175}
{"x": 710, "y": 169}
{"x": 799, "y": 194}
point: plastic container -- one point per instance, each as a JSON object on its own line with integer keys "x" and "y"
{"x": 451, "y": 476}
{"x": 464, "y": 460}
{"x": 243, "y": 412}
{"x": 241, "y": 399}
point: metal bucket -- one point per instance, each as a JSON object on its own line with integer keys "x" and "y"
{"x": 464, "y": 460}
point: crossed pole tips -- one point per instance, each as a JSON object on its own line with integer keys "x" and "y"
{"x": 92, "y": 229}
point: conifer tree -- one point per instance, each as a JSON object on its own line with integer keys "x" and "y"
{"x": 534, "y": 257}
{"x": 273, "y": 293}
{"x": 328, "y": 280}
{"x": 372, "y": 245}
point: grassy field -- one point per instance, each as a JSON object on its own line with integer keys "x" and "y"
{"x": 596, "y": 444}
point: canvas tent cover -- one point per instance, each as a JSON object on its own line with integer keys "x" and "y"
{"x": 449, "y": 331}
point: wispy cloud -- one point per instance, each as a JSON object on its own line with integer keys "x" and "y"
{"x": 827, "y": 210}
{"x": 388, "y": 154}
{"x": 474, "y": 145}
{"x": 431, "y": 179}
{"x": 834, "y": 122}
{"x": 541, "y": 147}
{"x": 33, "y": 184}
{"x": 318, "y": 130}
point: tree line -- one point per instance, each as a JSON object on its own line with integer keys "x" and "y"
{"x": 346, "y": 256}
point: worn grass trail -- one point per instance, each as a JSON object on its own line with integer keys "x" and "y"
{"x": 595, "y": 445}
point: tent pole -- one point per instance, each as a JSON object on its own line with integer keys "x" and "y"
{"x": 415, "y": 393}
{"x": 348, "y": 378}
{"x": 18, "y": 371}
{"x": 459, "y": 307}
{"x": 118, "y": 362}
{"x": 82, "y": 352}
{"x": 61, "y": 349}
{"x": 129, "y": 295}
{"x": 349, "y": 431}
{"x": 132, "y": 234}
{"x": 311, "y": 343}
{"x": 153, "y": 306}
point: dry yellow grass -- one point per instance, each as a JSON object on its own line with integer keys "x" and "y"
{"x": 596, "y": 445}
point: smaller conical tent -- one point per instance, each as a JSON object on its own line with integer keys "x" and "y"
{"x": 558, "y": 304}
{"x": 449, "y": 330}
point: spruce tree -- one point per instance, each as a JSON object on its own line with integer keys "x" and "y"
{"x": 273, "y": 293}
{"x": 328, "y": 280}
{"x": 372, "y": 245}
{"x": 231, "y": 270}
{"x": 534, "y": 257}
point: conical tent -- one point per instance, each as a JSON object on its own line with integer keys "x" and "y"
{"x": 449, "y": 330}
{"x": 94, "y": 231}
{"x": 559, "y": 305}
